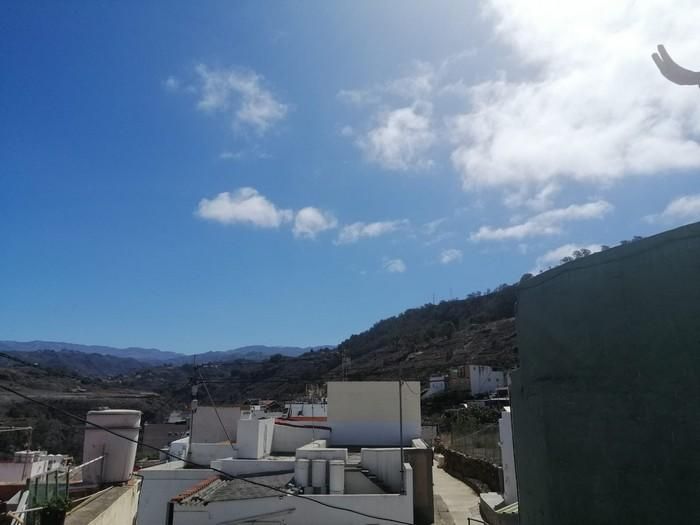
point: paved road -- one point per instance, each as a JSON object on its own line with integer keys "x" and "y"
{"x": 460, "y": 499}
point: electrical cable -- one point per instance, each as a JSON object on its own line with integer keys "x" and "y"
{"x": 192, "y": 463}
{"x": 216, "y": 411}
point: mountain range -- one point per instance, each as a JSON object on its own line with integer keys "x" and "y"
{"x": 96, "y": 359}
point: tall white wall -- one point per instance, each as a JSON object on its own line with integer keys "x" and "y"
{"x": 206, "y": 427}
{"x": 510, "y": 485}
{"x": 367, "y": 412}
{"x": 484, "y": 379}
{"x": 255, "y": 438}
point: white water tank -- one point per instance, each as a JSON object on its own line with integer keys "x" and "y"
{"x": 119, "y": 454}
{"x": 336, "y": 476}
{"x": 301, "y": 472}
{"x": 318, "y": 475}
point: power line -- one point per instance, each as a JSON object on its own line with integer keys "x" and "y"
{"x": 216, "y": 410}
{"x": 192, "y": 463}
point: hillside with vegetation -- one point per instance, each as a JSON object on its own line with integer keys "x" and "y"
{"x": 433, "y": 338}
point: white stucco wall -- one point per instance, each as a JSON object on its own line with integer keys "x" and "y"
{"x": 289, "y": 438}
{"x": 366, "y": 413}
{"x": 160, "y": 484}
{"x": 206, "y": 427}
{"x": 255, "y": 438}
{"x": 204, "y": 453}
{"x": 11, "y": 472}
{"x": 239, "y": 467}
{"x": 484, "y": 379}
{"x": 304, "y": 512}
{"x": 318, "y": 450}
{"x": 510, "y": 485}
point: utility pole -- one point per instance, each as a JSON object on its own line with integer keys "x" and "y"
{"x": 403, "y": 473}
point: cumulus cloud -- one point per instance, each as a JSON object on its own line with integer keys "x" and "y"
{"x": 394, "y": 265}
{"x": 310, "y": 221}
{"x": 244, "y": 206}
{"x": 546, "y": 223}
{"x": 682, "y": 209}
{"x": 401, "y": 138}
{"x": 589, "y": 104}
{"x": 363, "y": 230}
{"x": 241, "y": 95}
{"x": 554, "y": 257}
{"x": 451, "y": 255}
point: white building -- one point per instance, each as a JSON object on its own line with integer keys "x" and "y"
{"x": 484, "y": 379}
{"x": 437, "y": 384}
{"x": 309, "y": 462}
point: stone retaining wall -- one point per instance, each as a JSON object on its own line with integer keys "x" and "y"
{"x": 468, "y": 469}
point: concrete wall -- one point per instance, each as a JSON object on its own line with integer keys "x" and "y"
{"x": 318, "y": 450}
{"x": 11, "y": 472}
{"x": 239, "y": 467}
{"x": 255, "y": 438}
{"x": 300, "y": 511}
{"x": 366, "y": 413}
{"x": 117, "y": 506}
{"x": 307, "y": 409}
{"x": 288, "y": 437}
{"x": 603, "y": 404}
{"x": 505, "y": 432}
{"x": 484, "y": 379}
{"x": 160, "y": 435}
{"x": 160, "y": 484}
{"x": 420, "y": 457}
{"x": 204, "y": 453}
{"x": 206, "y": 427}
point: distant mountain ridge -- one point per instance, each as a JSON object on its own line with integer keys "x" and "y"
{"x": 152, "y": 356}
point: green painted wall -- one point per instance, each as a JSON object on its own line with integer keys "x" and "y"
{"x": 606, "y": 403}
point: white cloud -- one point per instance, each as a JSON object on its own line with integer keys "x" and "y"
{"x": 394, "y": 265}
{"x": 541, "y": 200}
{"x": 401, "y": 138}
{"x": 546, "y": 223}
{"x": 589, "y": 104}
{"x": 231, "y": 155}
{"x": 554, "y": 257}
{"x": 311, "y": 221}
{"x": 171, "y": 83}
{"x": 244, "y": 206}
{"x": 359, "y": 97}
{"x": 682, "y": 209}
{"x": 429, "y": 228}
{"x": 241, "y": 95}
{"x": 362, "y": 230}
{"x": 451, "y": 255}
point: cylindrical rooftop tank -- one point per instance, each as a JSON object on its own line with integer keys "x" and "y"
{"x": 318, "y": 475}
{"x": 301, "y": 472}
{"x": 336, "y": 476}
{"x": 119, "y": 454}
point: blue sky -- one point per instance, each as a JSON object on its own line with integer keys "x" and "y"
{"x": 201, "y": 176}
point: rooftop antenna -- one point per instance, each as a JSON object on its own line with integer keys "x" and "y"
{"x": 672, "y": 71}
